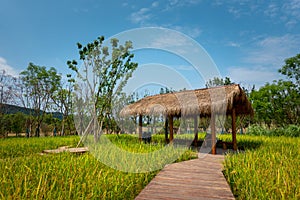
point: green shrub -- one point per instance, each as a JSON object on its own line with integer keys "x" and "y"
{"x": 289, "y": 131}
{"x": 257, "y": 130}
{"x": 292, "y": 131}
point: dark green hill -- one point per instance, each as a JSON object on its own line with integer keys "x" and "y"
{"x": 12, "y": 109}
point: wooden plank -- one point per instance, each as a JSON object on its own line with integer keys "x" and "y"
{"x": 194, "y": 179}
{"x": 66, "y": 149}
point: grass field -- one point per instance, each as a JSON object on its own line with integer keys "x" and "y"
{"x": 267, "y": 169}
{"x": 25, "y": 174}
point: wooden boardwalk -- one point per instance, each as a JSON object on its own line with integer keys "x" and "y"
{"x": 200, "y": 178}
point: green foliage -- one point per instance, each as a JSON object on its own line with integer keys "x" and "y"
{"x": 39, "y": 85}
{"x": 216, "y": 81}
{"x": 166, "y": 90}
{"x": 277, "y": 103}
{"x": 18, "y": 123}
{"x": 5, "y": 127}
{"x": 288, "y": 131}
{"x": 105, "y": 72}
{"x": 12, "y": 123}
{"x": 269, "y": 171}
{"x": 292, "y": 69}
{"x": 292, "y": 131}
{"x": 257, "y": 130}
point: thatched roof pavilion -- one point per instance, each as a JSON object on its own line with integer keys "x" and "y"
{"x": 208, "y": 102}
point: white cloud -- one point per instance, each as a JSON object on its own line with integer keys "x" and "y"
{"x": 155, "y": 4}
{"x": 272, "y": 51}
{"x": 293, "y": 7}
{"x": 292, "y": 11}
{"x": 174, "y": 41}
{"x": 7, "y": 68}
{"x": 171, "y": 4}
{"x": 125, "y": 4}
{"x": 234, "y": 11}
{"x": 263, "y": 59}
{"x": 287, "y": 12}
{"x": 80, "y": 10}
{"x": 143, "y": 15}
{"x": 272, "y": 10}
{"x": 233, "y": 44}
{"x": 140, "y": 16}
{"x": 185, "y": 67}
{"x": 193, "y": 32}
{"x": 146, "y": 16}
{"x": 238, "y": 8}
{"x": 257, "y": 76}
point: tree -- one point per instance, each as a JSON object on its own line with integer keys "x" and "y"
{"x": 292, "y": 69}
{"x": 105, "y": 72}
{"x": 277, "y": 103}
{"x": 7, "y": 89}
{"x": 166, "y": 90}
{"x": 216, "y": 81}
{"x": 39, "y": 84}
{"x": 6, "y": 124}
{"x": 63, "y": 100}
{"x": 18, "y": 123}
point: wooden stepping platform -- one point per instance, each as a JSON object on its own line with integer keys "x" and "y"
{"x": 200, "y": 178}
{"x": 67, "y": 149}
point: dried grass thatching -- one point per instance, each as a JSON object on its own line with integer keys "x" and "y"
{"x": 203, "y": 102}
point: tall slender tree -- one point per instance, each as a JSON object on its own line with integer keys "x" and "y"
{"x": 39, "y": 84}
{"x": 105, "y": 72}
{"x": 62, "y": 98}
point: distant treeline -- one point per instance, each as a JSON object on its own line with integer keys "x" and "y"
{"x": 13, "y": 109}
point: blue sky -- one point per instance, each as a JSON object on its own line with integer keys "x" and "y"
{"x": 248, "y": 40}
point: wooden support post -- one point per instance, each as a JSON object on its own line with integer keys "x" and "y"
{"x": 171, "y": 127}
{"x": 166, "y": 131}
{"x": 196, "y": 130}
{"x": 140, "y": 127}
{"x": 213, "y": 134}
{"x": 153, "y": 131}
{"x": 233, "y": 127}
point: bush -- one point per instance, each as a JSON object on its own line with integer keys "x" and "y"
{"x": 288, "y": 131}
{"x": 292, "y": 131}
{"x": 257, "y": 130}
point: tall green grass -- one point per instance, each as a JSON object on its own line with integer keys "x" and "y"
{"x": 15, "y": 147}
{"x": 66, "y": 176}
{"x": 268, "y": 169}
{"x": 25, "y": 174}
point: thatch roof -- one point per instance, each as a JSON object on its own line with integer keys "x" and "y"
{"x": 219, "y": 100}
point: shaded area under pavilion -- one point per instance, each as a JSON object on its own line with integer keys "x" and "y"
{"x": 228, "y": 100}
